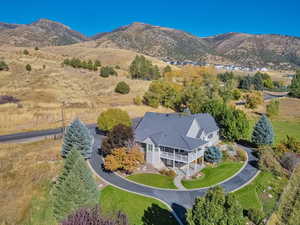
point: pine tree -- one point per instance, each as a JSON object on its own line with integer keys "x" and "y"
{"x": 69, "y": 163}
{"x": 77, "y": 189}
{"x": 263, "y": 132}
{"x": 213, "y": 154}
{"x": 77, "y": 136}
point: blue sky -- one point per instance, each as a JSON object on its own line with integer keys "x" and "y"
{"x": 198, "y": 17}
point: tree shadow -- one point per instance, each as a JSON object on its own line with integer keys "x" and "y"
{"x": 155, "y": 215}
{"x": 180, "y": 212}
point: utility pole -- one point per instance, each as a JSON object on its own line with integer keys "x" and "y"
{"x": 63, "y": 118}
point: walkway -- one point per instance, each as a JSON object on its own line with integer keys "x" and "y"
{"x": 178, "y": 200}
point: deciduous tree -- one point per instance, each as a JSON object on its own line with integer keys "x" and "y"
{"x": 112, "y": 117}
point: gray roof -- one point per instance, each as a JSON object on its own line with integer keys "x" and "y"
{"x": 171, "y": 129}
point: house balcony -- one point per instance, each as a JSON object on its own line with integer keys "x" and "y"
{"x": 185, "y": 158}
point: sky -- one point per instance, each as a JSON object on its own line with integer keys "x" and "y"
{"x": 201, "y": 18}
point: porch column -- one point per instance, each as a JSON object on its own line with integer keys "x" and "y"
{"x": 173, "y": 158}
{"x": 196, "y": 159}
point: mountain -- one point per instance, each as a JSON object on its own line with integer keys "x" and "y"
{"x": 251, "y": 50}
{"x": 266, "y": 50}
{"x": 154, "y": 41}
{"x": 263, "y": 50}
{"x": 41, "y": 33}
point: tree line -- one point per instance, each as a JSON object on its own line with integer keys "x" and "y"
{"x": 78, "y": 63}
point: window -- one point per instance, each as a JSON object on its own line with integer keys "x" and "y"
{"x": 150, "y": 148}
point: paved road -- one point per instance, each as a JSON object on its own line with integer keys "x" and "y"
{"x": 179, "y": 200}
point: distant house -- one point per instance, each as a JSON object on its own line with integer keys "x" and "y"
{"x": 176, "y": 140}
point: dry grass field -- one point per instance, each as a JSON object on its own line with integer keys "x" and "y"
{"x": 43, "y": 91}
{"x": 24, "y": 169}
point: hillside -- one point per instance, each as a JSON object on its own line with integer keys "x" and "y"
{"x": 277, "y": 52}
{"x": 43, "y": 90}
{"x": 274, "y": 51}
{"x": 265, "y": 50}
{"x": 43, "y": 32}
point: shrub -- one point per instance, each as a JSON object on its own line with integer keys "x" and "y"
{"x": 107, "y": 71}
{"x": 256, "y": 216}
{"x": 117, "y": 67}
{"x": 112, "y": 117}
{"x": 36, "y": 48}
{"x": 124, "y": 159}
{"x": 26, "y": 52}
{"x": 263, "y": 132}
{"x": 268, "y": 162}
{"x": 213, "y": 154}
{"x": 253, "y": 99}
{"x": 241, "y": 154}
{"x": 236, "y": 94}
{"x": 167, "y": 172}
{"x": 28, "y": 67}
{"x": 93, "y": 216}
{"x": 273, "y": 108}
{"x": 122, "y": 88}
{"x": 3, "y": 66}
{"x": 137, "y": 100}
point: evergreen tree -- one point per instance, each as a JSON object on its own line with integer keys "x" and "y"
{"x": 263, "y": 132}
{"x": 122, "y": 88}
{"x": 246, "y": 83}
{"x": 167, "y": 69}
{"x": 69, "y": 163}
{"x": 77, "y": 136}
{"x": 77, "y": 189}
{"x": 295, "y": 86}
{"x": 213, "y": 154}
{"x": 141, "y": 68}
{"x": 258, "y": 82}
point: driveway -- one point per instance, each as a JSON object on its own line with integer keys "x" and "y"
{"x": 178, "y": 200}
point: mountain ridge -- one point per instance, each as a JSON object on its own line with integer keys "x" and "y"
{"x": 254, "y": 50}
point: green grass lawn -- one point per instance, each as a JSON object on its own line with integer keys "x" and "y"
{"x": 283, "y": 128}
{"x": 215, "y": 175}
{"x": 155, "y": 180}
{"x": 255, "y": 195}
{"x": 139, "y": 209}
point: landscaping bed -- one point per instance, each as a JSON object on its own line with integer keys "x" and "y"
{"x": 263, "y": 193}
{"x": 139, "y": 209}
{"x": 214, "y": 175}
{"x": 152, "y": 179}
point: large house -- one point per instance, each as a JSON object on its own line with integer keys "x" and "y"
{"x": 176, "y": 140}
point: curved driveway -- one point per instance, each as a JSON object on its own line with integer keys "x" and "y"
{"x": 179, "y": 200}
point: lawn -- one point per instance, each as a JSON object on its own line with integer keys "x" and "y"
{"x": 155, "y": 180}
{"x": 139, "y": 209}
{"x": 256, "y": 194}
{"x": 214, "y": 175}
{"x": 283, "y": 128}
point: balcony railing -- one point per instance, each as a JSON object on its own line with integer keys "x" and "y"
{"x": 180, "y": 157}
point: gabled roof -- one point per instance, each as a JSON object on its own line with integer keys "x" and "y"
{"x": 171, "y": 129}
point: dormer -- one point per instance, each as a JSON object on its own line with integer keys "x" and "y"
{"x": 194, "y": 129}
